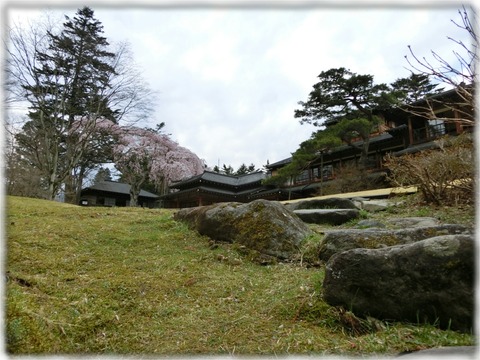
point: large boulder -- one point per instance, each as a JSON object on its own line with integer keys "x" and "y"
{"x": 336, "y": 241}
{"x": 427, "y": 281}
{"x": 261, "y": 225}
{"x": 327, "y": 216}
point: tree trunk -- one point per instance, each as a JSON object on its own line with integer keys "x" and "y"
{"x": 70, "y": 190}
{"x": 73, "y": 186}
{"x": 51, "y": 188}
{"x": 134, "y": 192}
{"x": 364, "y": 154}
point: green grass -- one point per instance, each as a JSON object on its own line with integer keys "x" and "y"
{"x": 129, "y": 280}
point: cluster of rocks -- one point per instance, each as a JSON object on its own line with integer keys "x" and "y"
{"x": 409, "y": 269}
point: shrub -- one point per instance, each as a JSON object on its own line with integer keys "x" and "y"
{"x": 351, "y": 178}
{"x": 444, "y": 175}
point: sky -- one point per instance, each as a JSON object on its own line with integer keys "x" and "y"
{"x": 228, "y": 78}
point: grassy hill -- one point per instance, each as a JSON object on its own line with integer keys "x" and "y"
{"x": 132, "y": 280}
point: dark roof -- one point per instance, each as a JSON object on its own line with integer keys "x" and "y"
{"x": 417, "y": 147}
{"x": 249, "y": 193}
{"x": 400, "y": 128}
{"x": 279, "y": 163}
{"x": 373, "y": 140}
{"x": 231, "y": 180}
{"x": 439, "y": 95}
{"x": 118, "y": 188}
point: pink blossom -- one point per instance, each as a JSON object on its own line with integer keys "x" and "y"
{"x": 144, "y": 154}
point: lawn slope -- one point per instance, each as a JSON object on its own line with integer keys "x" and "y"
{"x": 131, "y": 280}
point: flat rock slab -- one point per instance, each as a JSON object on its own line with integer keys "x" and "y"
{"x": 330, "y": 203}
{"x": 411, "y": 222}
{"x": 327, "y": 216}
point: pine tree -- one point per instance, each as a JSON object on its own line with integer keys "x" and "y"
{"x": 71, "y": 82}
{"x": 103, "y": 174}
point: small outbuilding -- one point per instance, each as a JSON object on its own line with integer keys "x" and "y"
{"x": 112, "y": 193}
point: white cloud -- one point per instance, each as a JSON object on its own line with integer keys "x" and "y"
{"x": 213, "y": 59}
{"x": 229, "y": 80}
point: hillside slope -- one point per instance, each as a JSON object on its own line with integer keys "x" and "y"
{"x": 132, "y": 280}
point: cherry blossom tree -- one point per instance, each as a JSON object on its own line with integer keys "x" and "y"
{"x": 145, "y": 154}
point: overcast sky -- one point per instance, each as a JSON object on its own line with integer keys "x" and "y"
{"x": 229, "y": 78}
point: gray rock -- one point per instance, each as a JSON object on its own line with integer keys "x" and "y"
{"x": 359, "y": 199}
{"x": 364, "y": 224}
{"x": 413, "y": 222}
{"x": 450, "y": 352}
{"x": 330, "y": 203}
{"x": 327, "y": 216}
{"x": 427, "y": 281}
{"x": 336, "y": 241}
{"x": 358, "y": 202}
{"x": 261, "y": 225}
{"x": 376, "y": 205}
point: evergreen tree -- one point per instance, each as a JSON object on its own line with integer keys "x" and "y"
{"x": 103, "y": 174}
{"x": 227, "y": 170}
{"x": 348, "y": 101}
{"x": 244, "y": 169}
{"x": 351, "y": 106}
{"x": 71, "y": 81}
{"x": 348, "y": 106}
{"x": 413, "y": 88}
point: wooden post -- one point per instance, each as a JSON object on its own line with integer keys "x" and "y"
{"x": 458, "y": 124}
{"x": 410, "y": 130}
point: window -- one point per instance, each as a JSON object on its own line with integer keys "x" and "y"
{"x": 436, "y": 127}
{"x": 327, "y": 172}
{"x": 304, "y": 176}
{"x": 109, "y": 201}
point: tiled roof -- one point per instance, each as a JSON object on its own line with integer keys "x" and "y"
{"x": 231, "y": 180}
{"x": 118, "y": 188}
{"x": 379, "y": 138}
{"x": 214, "y": 190}
{"x": 416, "y": 148}
{"x": 279, "y": 163}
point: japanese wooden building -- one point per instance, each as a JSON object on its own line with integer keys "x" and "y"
{"x": 112, "y": 193}
{"x": 211, "y": 187}
{"x": 401, "y": 132}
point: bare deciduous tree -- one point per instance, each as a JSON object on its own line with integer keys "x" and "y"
{"x": 459, "y": 75}
{"x": 129, "y": 94}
